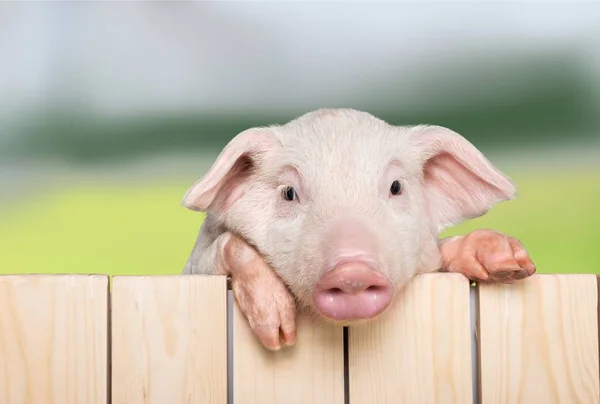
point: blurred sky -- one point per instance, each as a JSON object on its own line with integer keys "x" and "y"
{"x": 135, "y": 57}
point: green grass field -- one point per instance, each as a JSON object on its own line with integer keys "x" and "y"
{"x": 144, "y": 231}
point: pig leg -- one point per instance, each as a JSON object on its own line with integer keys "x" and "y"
{"x": 261, "y": 295}
{"x": 486, "y": 255}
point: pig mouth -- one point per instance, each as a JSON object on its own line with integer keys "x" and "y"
{"x": 352, "y": 292}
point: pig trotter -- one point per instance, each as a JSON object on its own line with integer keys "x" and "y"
{"x": 260, "y": 293}
{"x": 486, "y": 255}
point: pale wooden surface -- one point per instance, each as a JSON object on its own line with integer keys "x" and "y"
{"x": 421, "y": 351}
{"x": 312, "y": 371}
{"x": 539, "y": 341}
{"x": 53, "y": 339}
{"x": 169, "y": 339}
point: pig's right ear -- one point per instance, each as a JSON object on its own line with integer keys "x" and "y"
{"x": 229, "y": 177}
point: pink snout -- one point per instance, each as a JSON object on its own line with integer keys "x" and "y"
{"x": 352, "y": 291}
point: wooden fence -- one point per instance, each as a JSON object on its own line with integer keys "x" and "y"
{"x": 167, "y": 340}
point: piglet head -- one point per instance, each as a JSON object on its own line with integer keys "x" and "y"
{"x": 345, "y": 207}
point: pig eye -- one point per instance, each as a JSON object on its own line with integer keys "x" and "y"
{"x": 396, "y": 188}
{"x": 289, "y": 193}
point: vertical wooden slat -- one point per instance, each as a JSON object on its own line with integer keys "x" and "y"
{"x": 169, "y": 340}
{"x": 421, "y": 351}
{"x": 53, "y": 339}
{"x": 539, "y": 341}
{"x": 312, "y": 371}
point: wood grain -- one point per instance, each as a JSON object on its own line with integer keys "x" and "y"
{"x": 312, "y": 371}
{"x": 539, "y": 341}
{"x": 169, "y": 340}
{"x": 53, "y": 339}
{"x": 420, "y": 352}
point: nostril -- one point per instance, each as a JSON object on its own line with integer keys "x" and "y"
{"x": 354, "y": 289}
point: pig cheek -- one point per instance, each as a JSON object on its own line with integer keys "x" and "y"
{"x": 402, "y": 246}
{"x": 304, "y": 263}
{"x": 286, "y": 252}
{"x": 426, "y": 236}
{"x": 310, "y": 266}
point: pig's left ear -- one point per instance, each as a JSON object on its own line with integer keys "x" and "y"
{"x": 231, "y": 174}
{"x": 459, "y": 182}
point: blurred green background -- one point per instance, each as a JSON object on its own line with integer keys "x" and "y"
{"x": 109, "y": 111}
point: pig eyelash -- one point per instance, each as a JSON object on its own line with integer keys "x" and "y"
{"x": 396, "y": 188}
{"x": 289, "y": 194}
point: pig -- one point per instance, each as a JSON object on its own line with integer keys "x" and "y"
{"x": 337, "y": 210}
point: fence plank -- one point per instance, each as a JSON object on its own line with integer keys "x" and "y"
{"x": 421, "y": 351}
{"x": 169, "y": 339}
{"x": 539, "y": 341}
{"x": 53, "y": 339}
{"x": 312, "y": 371}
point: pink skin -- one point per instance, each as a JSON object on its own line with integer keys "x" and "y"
{"x": 284, "y": 249}
{"x": 353, "y": 286}
{"x": 482, "y": 255}
{"x": 352, "y": 291}
{"x": 486, "y": 256}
